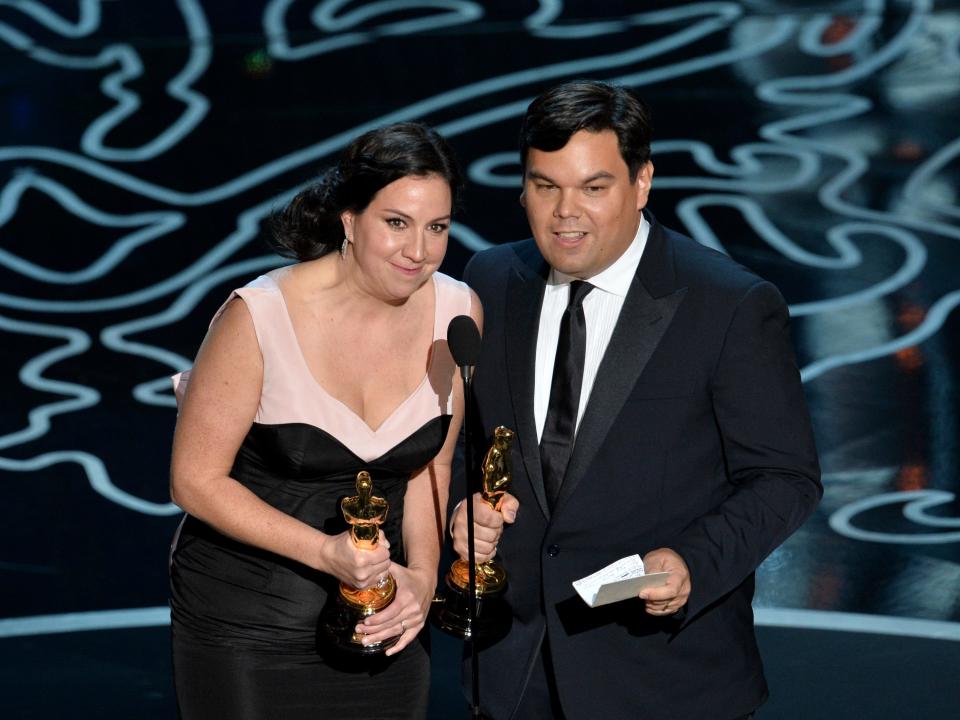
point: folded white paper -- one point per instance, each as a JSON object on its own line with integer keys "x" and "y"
{"x": 618, "y": 581}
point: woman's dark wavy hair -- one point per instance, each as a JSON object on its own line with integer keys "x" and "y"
{"x": 309, "y": 227}
{"x": 553, "y": 117}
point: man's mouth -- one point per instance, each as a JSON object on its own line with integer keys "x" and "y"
{"x": 570, "y": 235}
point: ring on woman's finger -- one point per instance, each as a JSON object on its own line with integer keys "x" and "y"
{"x": 403, "y": 628}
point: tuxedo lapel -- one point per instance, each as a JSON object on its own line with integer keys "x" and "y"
{"x": 524, "y": 296}
{"x": 644, "y": 318}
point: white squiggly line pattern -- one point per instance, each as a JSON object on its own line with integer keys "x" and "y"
{"x": 789, "y": 159}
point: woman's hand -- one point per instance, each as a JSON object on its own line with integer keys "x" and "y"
{"x": 406, "y": 615}
{"x": 360, "y": 568}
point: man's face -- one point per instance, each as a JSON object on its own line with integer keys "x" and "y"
{"x": 582, "y": 208}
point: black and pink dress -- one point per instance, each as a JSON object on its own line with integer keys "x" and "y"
{"x": 246, "y": 640}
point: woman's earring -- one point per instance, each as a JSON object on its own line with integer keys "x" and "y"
{"x": 343, "y": 246}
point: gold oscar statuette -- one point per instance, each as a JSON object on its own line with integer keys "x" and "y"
{"x": 451, "y": 608}
{"x": 365, "y": 513}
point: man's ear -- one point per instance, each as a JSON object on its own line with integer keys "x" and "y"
{"x": 643, "y": 182}
{"x": 523, "y": 198}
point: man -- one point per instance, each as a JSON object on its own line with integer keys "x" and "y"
{"x": 658, "y": 411}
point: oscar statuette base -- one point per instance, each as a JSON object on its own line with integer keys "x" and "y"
{"x": 349, "y": 608}
{"x": 450, "y": 611}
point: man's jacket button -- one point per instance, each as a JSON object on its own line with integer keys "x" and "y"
{"x": 553, "y": 550}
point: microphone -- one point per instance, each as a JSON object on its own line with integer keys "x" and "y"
{"x": 463, "y": 339}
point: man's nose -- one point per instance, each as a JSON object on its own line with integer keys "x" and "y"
{"x": 567, "y": 205}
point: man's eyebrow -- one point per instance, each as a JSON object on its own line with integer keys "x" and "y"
{"x": 601, "y": 175}
{"x": 535, "y": 175}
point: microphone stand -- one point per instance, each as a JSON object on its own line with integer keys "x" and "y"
{"x": 466, "y": 373}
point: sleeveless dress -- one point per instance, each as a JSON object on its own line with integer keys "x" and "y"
{"x": 245, "y": 622}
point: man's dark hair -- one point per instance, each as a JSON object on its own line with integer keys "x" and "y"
{"x": 554, "y": 116}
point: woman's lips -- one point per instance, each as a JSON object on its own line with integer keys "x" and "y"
{"x": 410, "y": 272}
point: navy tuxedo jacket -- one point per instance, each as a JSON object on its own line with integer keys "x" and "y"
{"x": 696, "y": 437}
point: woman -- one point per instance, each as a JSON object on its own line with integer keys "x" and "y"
{"x": 322, "y": 369}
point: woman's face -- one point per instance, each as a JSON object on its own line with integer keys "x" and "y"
{"x": 399, "y": 240}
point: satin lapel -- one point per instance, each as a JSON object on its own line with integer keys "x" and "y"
{"x": 524, "y": 297}
{"x": 643, "y": 321}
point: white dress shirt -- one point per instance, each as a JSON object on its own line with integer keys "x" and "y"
{"x": 601, "y": 308}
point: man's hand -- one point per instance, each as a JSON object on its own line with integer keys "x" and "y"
{"x": 487, "y": 526}
{"x": 669, "y": 598}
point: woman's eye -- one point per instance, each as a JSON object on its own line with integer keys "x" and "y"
{"x": 438, "y": 228}
{"x": 396, "y": 223}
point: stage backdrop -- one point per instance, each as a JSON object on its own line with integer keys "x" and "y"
{"x": 143, "y": 146}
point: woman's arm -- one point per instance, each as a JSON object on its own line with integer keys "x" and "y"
{"x": 424, "y": 511}
{"x": 218, "y": 409}
{"x": 424, "y": 518}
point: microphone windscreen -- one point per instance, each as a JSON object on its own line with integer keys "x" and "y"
{"x": 463, "y": 337}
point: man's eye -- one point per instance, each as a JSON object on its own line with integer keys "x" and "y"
{"x": 545, "y": 186}
{"x": 595, "y": 188}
